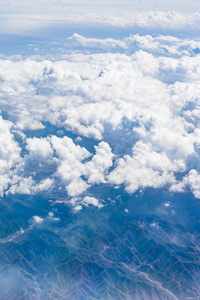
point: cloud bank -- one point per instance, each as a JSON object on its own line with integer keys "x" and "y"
{"x": 136, "y": 99}
{"x": 32, "y": 23}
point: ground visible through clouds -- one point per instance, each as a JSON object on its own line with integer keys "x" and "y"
{"x": 100, "y": 161}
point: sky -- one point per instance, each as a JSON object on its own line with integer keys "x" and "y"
{"x": 57, "y": 7}
{"x": 28, "y": 17}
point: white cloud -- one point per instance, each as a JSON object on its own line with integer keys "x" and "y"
{"x": 87, "y": 200}
{"x": 27, "y": 185}
{"x": 70, "y": 166}
{"x": 78, "y": 41}
{"x": 78, "y": 208}
{"x": 76, "y": 187}
{"x": 9, "y": 149}
{"x": 146, "y": 168}
{"x": 9, "y": 154}
{"x": 31, "y": 20}
{"x": 38, "y": 219}
{"x": 92, "y": 200}
{"x": 50, "y": 217}
{"x": 21, "y": 185}
{"x": 97, "y": 168}
{"x": 45, "y": 185}
{"x": 158, "y": 19}
{"x": 39, "y": 148}
{"x": 142, "y": 108}
{"x": 191, "y": 180}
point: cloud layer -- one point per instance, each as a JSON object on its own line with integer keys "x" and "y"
{"x": 33, "y": 22}
{"x": 138, "y": 101}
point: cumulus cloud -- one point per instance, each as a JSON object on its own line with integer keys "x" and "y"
{"x": 78, "y": 202}
{"x": 146, "y": 168}
{"x": 38, "y": 220}
{"x": 27, "y": 185}
{"x": 141, "y": 107}
{"x": 78, "y": 208}
{"x": 76, "y": 187}
{"x": 72, "y": 165}
{"x": 191, "y": 180}
{"x": 9, "y": 149}
{"x": 78, "y": 41}
{"x": 50, "y": 217}
{"x": 39, "y": 148}
{"x": 9, "y": 154}
{"x": 93, "y": 201}
{"x": 97, "y": 168}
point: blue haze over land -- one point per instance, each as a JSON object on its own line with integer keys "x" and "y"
{"x": 99, "y": 150}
